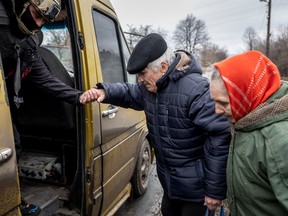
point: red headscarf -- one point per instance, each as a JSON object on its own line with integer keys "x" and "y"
{"x": 250, "y": 79}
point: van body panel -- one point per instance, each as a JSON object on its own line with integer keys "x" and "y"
{"x": 9, "y": 184}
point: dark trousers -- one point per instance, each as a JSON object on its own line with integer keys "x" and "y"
{"x": 17, "y": 141}
{"x": 181, "y": 208}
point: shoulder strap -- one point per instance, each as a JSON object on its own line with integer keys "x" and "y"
{"x": 33, "y": 41}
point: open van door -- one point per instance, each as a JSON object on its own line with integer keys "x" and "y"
{"x": 9, "y": 184}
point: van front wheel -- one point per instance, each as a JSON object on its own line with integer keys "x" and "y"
{"x": 141, "y": 174}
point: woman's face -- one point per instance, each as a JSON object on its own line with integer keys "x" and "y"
{"x": 220, "y": 95}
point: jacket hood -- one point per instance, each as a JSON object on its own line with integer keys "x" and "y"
{"x": 183, "y": 64}
{"x": 273, "y": 110}
{"x": 187, "y": 64}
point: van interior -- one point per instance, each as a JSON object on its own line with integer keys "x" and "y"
{"x": 49, "y": 165}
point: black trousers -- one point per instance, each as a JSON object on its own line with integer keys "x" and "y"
{"x": 17, "y": 141}
{"x": 181, "y": 208}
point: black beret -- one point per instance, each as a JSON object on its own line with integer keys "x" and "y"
{"x": 148, "y": 49}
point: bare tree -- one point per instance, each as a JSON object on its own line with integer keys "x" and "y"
{"x": 134, "y": 34}
{"x": 190, "y": 34}
{"x": 212, "y": 53}
{"x": 57, "y": 38}
{"x": 279, "y": 50}
{"x": 161, "y": 31}
{"x": 251, "y": 38}
{"x": 145, "y": 29}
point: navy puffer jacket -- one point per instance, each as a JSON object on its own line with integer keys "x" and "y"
{"x": 191, "y": 142}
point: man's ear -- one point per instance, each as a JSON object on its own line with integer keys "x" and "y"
{"x": 164, "y": 67}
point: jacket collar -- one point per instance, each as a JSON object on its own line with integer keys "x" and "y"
{"x": 183, "y": 64}
{"x": 273, "y": 110}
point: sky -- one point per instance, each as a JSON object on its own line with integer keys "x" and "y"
{"x": 226, "y": 20}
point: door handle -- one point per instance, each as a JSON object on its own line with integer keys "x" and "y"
{"x": 5, "y": 154}
{"x": 97, "y": 197}
{"x": 110, "y": 112}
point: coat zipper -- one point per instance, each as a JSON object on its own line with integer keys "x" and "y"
{"x": 231, "y": 168}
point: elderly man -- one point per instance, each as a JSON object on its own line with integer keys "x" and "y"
{"x": 190, "y": 141}
{"x": 247, "y": 89}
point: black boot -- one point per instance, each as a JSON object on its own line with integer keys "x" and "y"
{"x": 29, "y": 209}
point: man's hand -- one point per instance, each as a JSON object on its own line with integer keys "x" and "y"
{"x": 211, "y": 203}
{"x": 92, "y": 95}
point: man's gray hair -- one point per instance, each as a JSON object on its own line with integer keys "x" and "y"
{"x": 167, "y": 57}
{"x": 215, "y": 74}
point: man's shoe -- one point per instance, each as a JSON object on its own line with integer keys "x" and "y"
{"x": 28, "y": 209}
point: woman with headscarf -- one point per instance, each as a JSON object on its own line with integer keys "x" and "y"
{"x": 247, "y": 89}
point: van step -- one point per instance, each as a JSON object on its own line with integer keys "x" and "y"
{"x": 66, "y": 212}
{"x": 41, "y": 167}
{"x": 48, "y": 197}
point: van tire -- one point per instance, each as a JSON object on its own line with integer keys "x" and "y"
{"x": 141, "y": 174}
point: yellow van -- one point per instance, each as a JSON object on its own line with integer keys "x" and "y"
{"x": 84, "y": 160}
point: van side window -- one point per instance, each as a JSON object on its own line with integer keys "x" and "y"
{"x": 58, "y": 42}
{"x": 130, "y": 77}
{"x": 109, "y": 49}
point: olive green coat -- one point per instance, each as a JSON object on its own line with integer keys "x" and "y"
{"x": 257, "y": 170}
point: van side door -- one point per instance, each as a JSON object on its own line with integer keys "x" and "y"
{"x": 113, "y": 134}
{"x": 121, "y": 129}
{"x": 9, "y": 183}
